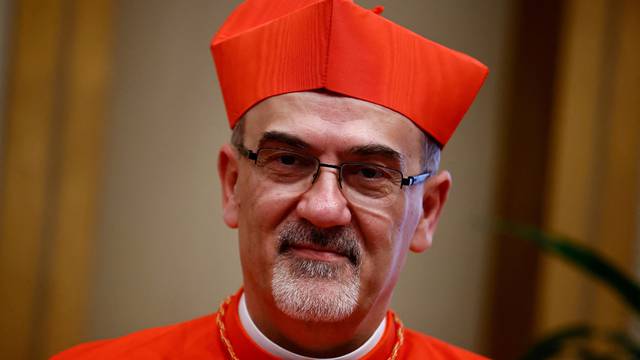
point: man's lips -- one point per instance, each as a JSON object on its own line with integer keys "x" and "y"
{"x": 317, "y": 253}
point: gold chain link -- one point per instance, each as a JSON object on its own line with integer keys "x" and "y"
{"x": 223, "y": 330}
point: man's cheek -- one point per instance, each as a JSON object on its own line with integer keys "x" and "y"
{"x": 377, "y": 228}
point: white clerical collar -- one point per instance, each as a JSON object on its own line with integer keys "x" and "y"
{"x": 278, "y": 351}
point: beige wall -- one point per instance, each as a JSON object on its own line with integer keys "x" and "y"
{"x": 5, "y": 22}
{"x": 164, "y": 254}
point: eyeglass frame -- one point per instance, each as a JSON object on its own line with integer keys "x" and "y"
{"x": 408, "y": 181}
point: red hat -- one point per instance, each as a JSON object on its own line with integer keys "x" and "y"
{"x": 272, "y": 47}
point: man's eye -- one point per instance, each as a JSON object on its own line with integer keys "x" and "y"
{"x": 287, "y": 159}
{"x": 363, "y": 172}
{"x": 370, "y": 172}
{"x": 281, "y": 161}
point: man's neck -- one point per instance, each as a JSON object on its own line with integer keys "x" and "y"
{"x": 327, "y": 341}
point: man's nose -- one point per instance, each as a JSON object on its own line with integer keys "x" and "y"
{"x": 323, "y": 204}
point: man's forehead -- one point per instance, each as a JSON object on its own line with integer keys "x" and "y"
{"x": 326, "y": 106}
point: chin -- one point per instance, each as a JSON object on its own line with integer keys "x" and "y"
{"x": 315, "y": 291}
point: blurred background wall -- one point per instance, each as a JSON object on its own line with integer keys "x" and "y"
{"x": 110, "y": 215}
{"x": 5, "y": 23}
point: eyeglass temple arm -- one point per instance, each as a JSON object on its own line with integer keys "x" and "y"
{"x": 247, "y": 153}
{"x": 251, "y": 155}
{"x": 416, "y": 179}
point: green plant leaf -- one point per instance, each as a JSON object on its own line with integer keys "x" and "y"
{"x": 584, "y": 258}
{"x": 580, "y": 336}
{"x": 552, "y": 344}
{"x": 625, "y": 342}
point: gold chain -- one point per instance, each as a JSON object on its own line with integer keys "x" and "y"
{"x": 223, "y": 332}
{"x": 399, "y": 335}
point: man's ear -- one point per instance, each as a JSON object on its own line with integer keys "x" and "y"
{"x": 436, "y": 190}
{"x": 228, "y": 174}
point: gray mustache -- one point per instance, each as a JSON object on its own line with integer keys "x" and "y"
{"x": 342, "y": 240}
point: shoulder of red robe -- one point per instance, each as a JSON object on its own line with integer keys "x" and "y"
{"x": 271, "y": 47}
{"x": 421, "y": 346}
{"x": 194, "y": 339}
{"x": 197, "y": 339}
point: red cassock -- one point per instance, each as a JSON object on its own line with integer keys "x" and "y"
{"x": 200, "y": 339}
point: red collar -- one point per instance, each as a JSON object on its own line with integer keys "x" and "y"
{"x": 246, "y": 348}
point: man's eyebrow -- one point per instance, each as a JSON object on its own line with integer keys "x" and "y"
{"x": 281, "y": 137}
{"x": 378, "y": 150}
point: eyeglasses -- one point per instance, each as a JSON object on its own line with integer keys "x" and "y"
{"x": 363, "y": 183}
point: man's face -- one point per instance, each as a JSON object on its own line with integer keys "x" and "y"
{"x": 311, "y": 251}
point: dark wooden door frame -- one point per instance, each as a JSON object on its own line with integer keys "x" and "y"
{"x": 520, "y": 192}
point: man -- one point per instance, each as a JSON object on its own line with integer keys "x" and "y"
{"x": 338, "y": 118}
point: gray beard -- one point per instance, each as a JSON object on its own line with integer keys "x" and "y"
{"x": 313, "y": 290}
